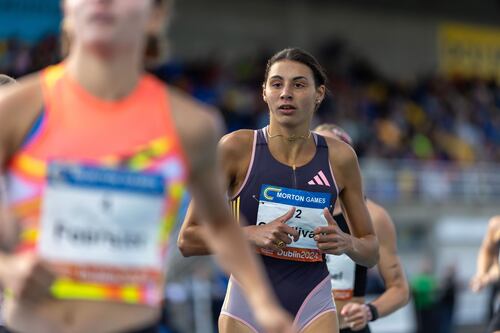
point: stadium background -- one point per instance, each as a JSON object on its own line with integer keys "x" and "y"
{"x": 414, "y": 82}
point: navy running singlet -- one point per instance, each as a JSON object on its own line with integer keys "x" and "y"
{"x": 270, "y": 189}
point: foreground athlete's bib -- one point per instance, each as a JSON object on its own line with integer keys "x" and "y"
{"x": 276, "y": 201}
{"x": 102, "y": 226}
{"x": 342, "y": 273}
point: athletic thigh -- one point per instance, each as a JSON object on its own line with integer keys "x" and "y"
{"x": 231, "y": 325}
{"x": 327, "y": 323}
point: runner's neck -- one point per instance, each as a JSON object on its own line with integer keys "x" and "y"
{"x": 104, "y": 78}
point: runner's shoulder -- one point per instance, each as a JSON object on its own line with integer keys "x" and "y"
{"x": 494, "y": 223}
{"x": 236, "y": 145}
{"x": 20, "y": 98}
{"x": 342, "y": 156}
{"x": 20, "y": 104}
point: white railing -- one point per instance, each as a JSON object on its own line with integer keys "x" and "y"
{"x": 406, "y": 180}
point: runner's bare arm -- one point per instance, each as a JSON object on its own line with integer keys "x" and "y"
{"x": 19, "y": 106}
{"x": 231, "y": 149}
{"x": 223, "y": 235}
{"x": 207, "y": 192}
{"x": 24, "y": 275}
{"x": 397, "y": 293}
{"x": 191, "y": 240}
{"x": 364, "y": 245}
{"x": 488, "y": 267}
{"x": 234, "y": 151}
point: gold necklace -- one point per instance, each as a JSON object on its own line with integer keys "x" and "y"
{"x": 290, "y": 138}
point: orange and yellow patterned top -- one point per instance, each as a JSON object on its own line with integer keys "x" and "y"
{"x": 99, "y": 253}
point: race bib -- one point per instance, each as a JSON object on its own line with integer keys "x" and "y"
{"x": 342, "y": 272}
{"x": 102, "y": 225}
{"x": 275, "y": 201}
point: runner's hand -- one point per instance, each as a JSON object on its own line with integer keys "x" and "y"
{"x": 331, "y": 239}
{"x": 479, "y": 282}
{"x": 356, "y": 315}
{"x": 274, "y": 235}
{"x": 27, "y": 277}
{"x": 273, "y": 319}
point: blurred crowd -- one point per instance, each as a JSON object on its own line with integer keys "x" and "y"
{"x": 432, "y": 118}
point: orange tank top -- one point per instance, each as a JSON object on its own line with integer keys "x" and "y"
{"x": 97, "y": 189}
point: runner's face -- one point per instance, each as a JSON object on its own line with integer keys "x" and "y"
{"x": 108, "y": 22}
{"x": 291, "y": 94}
